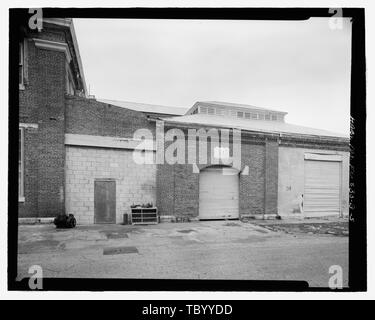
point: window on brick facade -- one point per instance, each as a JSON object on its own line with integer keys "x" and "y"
{"x": 274, "y": 117}
{"x": 21, "y": 65}
{"x": 240, "y": 114}
{"x": 247, "y": 115}
{"x": 268, "y": 117}
{"x": 21, "y": 165}
{"x": 261, "y": 116}
{"x": 254, "y": 116}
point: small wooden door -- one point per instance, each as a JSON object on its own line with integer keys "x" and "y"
{"x": 105, "y": 201}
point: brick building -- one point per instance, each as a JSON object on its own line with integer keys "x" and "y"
{"x": 283, "y": 169}
{"x": 49, "y": 68}
{"x": 74, "y": 148}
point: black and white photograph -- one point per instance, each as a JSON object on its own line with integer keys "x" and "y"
{"x": 217, "y": 149}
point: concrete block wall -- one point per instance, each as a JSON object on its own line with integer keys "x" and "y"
{"x": 134, "y": 183}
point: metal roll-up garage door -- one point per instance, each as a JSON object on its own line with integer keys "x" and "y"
{"x": 218, "y": 193}
{"x": 322, "y": 188}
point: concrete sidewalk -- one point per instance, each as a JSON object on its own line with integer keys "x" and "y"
{"x": 195, "y": 250}
{"x": 325, "y": 225}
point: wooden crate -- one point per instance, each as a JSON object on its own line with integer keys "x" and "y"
{"x": 144, "y": 215}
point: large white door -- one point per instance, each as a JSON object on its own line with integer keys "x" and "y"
{"x": 218, "y": 193}
{"x": 322, "y": 187}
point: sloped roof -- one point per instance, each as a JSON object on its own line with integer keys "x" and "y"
{"x": 143, "y": 107}
{"x": 229, "y": 105}
{"x": 239, "y": 105}
{"x": 251, "y": 125}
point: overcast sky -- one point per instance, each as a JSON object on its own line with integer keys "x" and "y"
{"x": 301, "y": 67}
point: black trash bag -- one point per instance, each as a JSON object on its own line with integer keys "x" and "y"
{"x": 65, "y": 221}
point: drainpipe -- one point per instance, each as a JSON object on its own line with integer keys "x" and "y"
{"x": 278, "y": 217}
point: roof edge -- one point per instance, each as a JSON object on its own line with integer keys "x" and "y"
{"x": 139, "y": 106}
{"x": 238, "y": 105}
{"x": 280, "y": 134}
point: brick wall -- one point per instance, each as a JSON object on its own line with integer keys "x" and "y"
{"x": 134, "y": 183}
{"x": 88, "y": 116}
{"x": 42, "y": 102}
{"x": 178, "y": 186}
{"x": 252, "y": 185}
{"x": 165, "y": 189}
{"x": 271, "y": 176}
{"x": 30, "y": 206}
{"x": 186, "y": 191}
{"x": 177, "y": 189}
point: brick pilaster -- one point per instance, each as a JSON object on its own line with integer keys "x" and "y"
{"x": 271, "y": 176}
